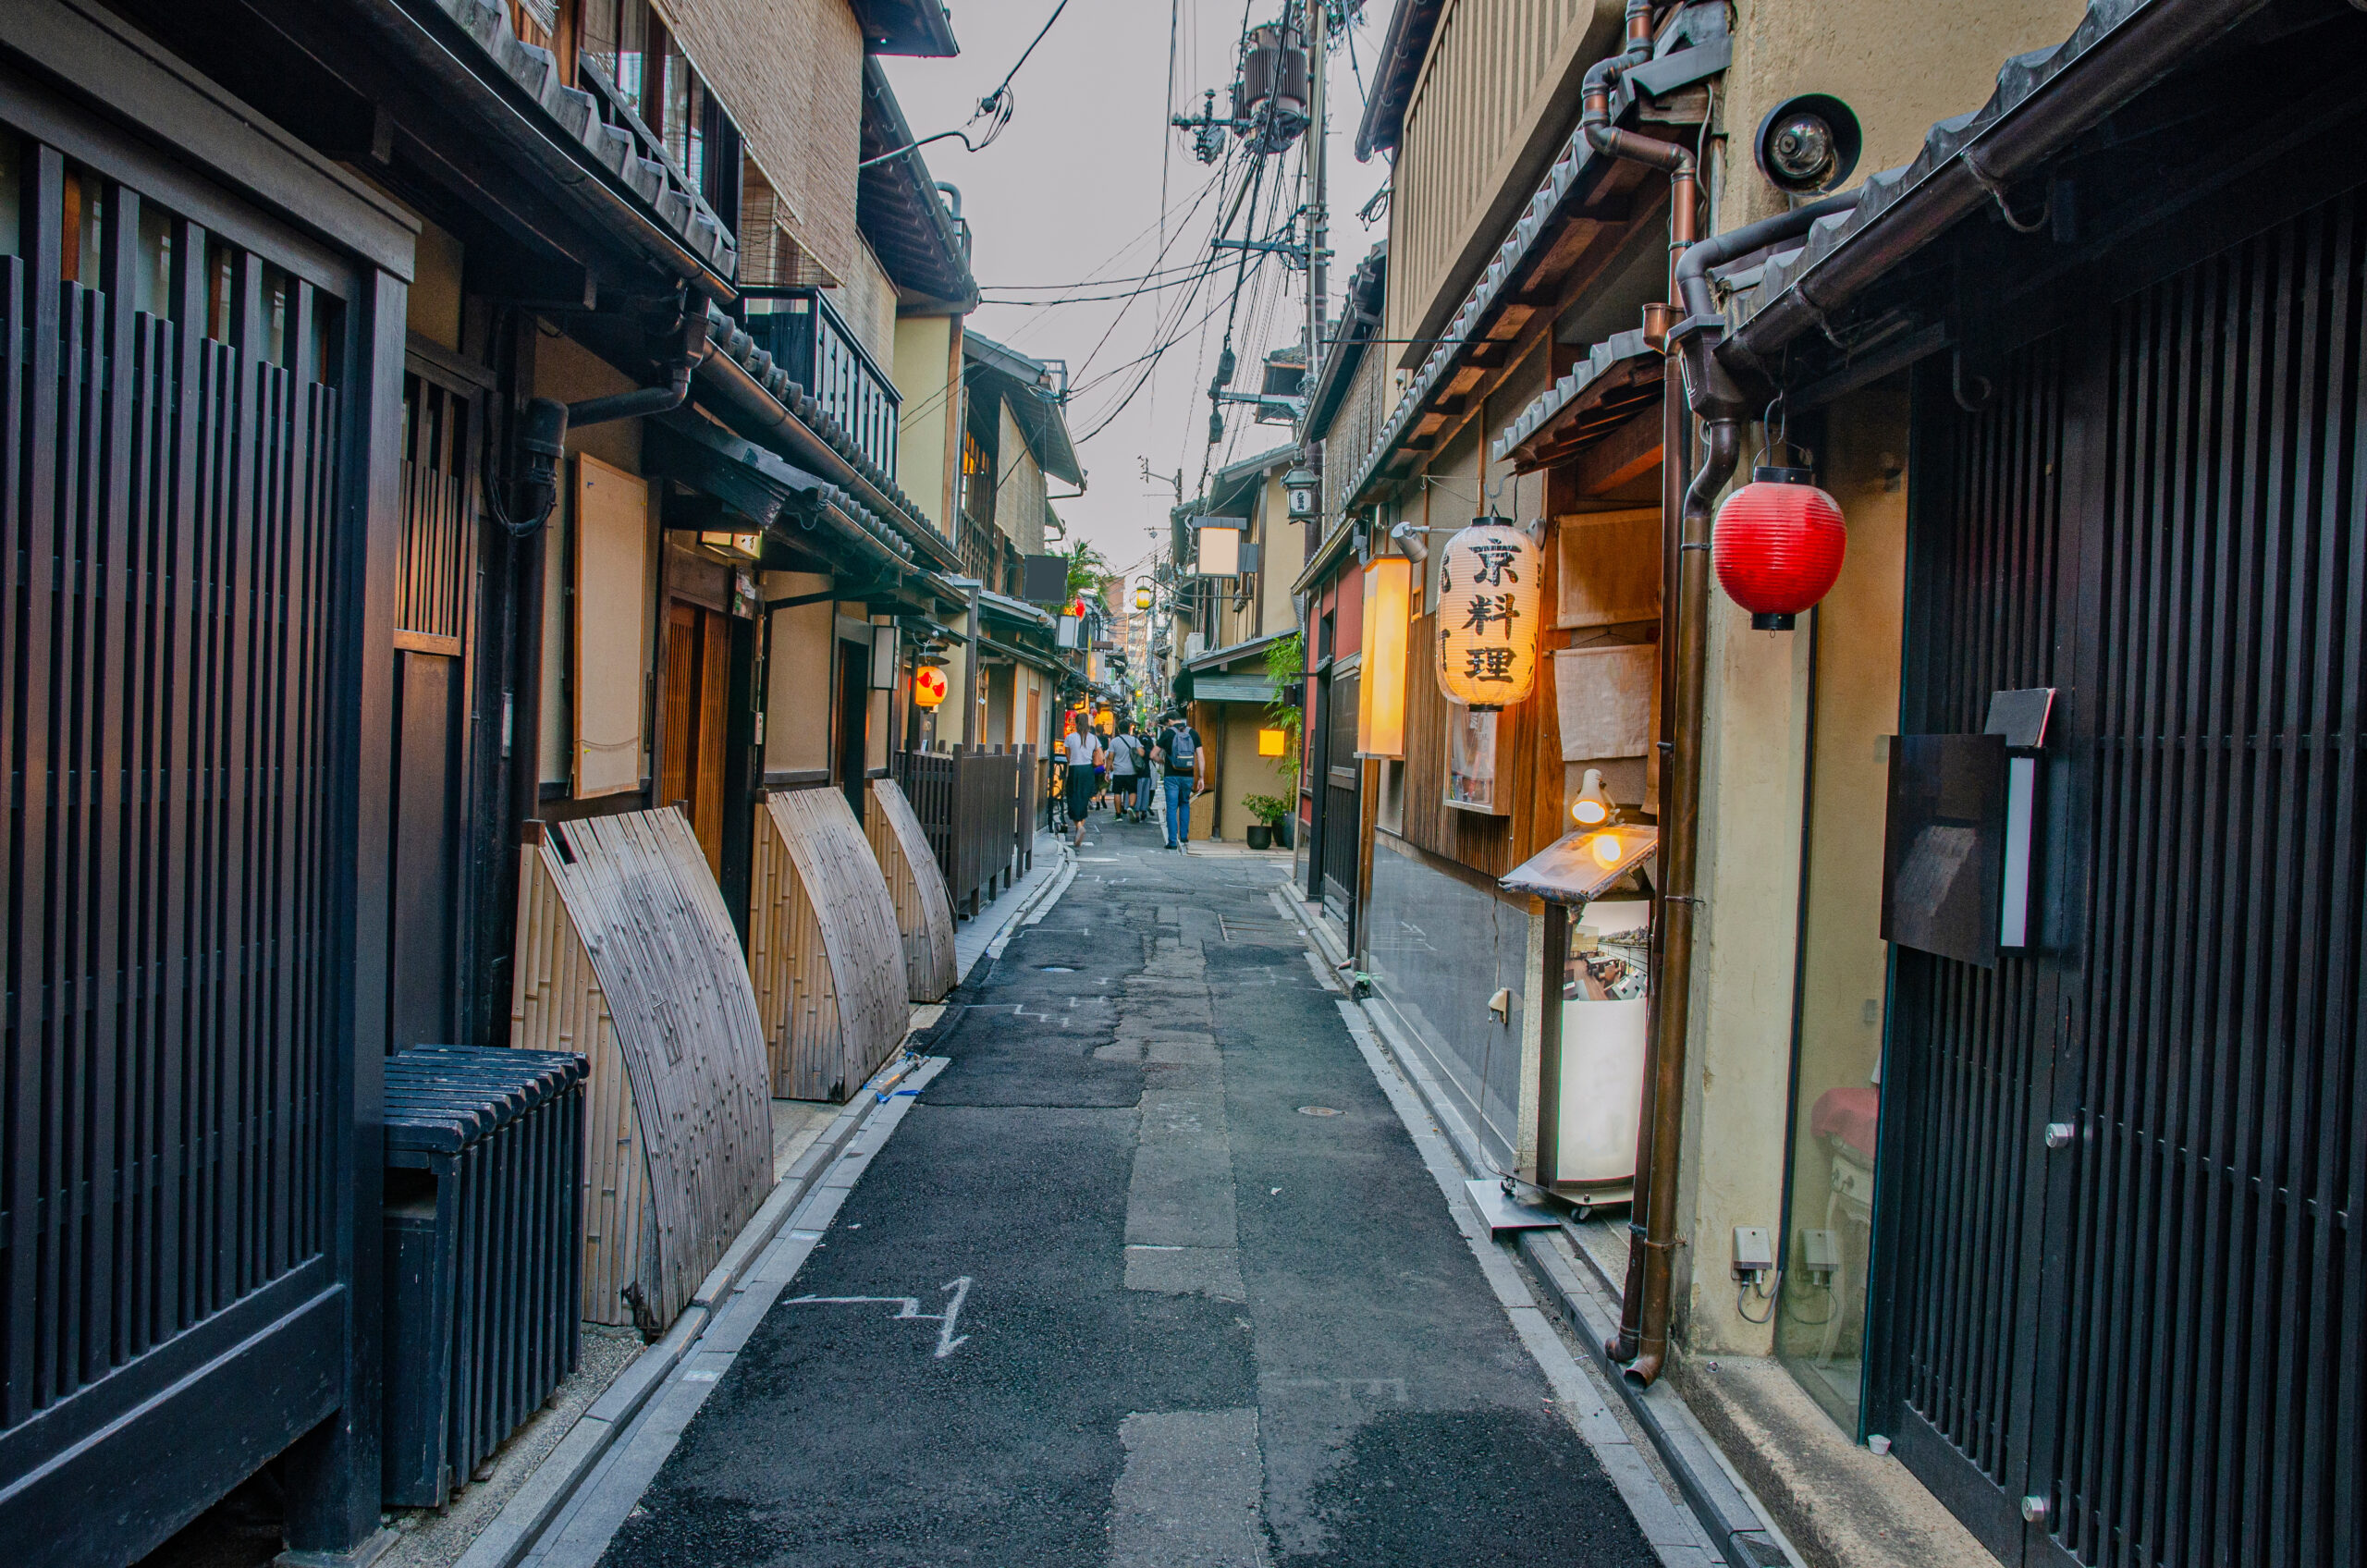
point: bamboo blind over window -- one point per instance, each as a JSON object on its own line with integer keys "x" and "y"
{"x": 769, "y": 253}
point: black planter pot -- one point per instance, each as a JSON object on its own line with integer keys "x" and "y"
{"x": 1260, "y": 837}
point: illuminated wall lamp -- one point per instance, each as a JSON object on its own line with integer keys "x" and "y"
{"x": 733, "y": 547}
{"x": 1381, "y": 694}
{"x": 1272, "y": 742}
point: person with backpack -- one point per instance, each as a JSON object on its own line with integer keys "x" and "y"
{"x": 1180, "y": 750}
{"x": 1125, "y": 770}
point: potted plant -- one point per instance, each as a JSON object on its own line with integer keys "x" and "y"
{"x": 1269, "y": 810}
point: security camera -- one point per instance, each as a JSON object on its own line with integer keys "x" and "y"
{"x": 1808, "y": 145}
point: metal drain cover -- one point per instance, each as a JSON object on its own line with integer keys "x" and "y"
{"x": 1316, "y": 1110}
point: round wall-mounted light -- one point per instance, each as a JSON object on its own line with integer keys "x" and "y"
{"x": 1808, "y": 145}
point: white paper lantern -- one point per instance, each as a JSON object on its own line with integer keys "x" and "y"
{"x": 1488, "y": 614}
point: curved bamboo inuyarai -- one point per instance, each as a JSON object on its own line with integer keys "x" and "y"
{"x": 823, "y": 949}
{"x": 923, "y": 909}
{"x": 625, "y": 954}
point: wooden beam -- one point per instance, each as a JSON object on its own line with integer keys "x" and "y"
{"x": 1631, "y": 450}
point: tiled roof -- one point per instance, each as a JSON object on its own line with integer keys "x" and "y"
{"x": 729, "y": 338}
{"x": 1957, "y": 142}
{"x": 1695, "y": 50}
{"x": 574, "y": 116}
{"x": 1614, "y": 351}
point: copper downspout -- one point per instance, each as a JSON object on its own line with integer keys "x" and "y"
{"x": 1656, "y": 1137}
{"x": 1644, "y": 1308}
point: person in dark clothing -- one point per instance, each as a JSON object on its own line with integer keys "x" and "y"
{"x": 1185, "y": 761}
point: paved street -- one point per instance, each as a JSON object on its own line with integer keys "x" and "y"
{"x": 1181, "y": 1289}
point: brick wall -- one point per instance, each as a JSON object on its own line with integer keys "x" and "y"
{"x": 791, "y": 74}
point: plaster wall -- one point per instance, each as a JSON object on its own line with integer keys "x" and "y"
{"x": 1898, "y": 72}
{"x": 926, "y": 359}
{"x": 1898, "y": 80}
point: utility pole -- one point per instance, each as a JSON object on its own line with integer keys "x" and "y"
{"x": 1312, "y": 162}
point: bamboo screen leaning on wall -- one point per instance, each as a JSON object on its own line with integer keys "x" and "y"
{"x": 627, "y": 956}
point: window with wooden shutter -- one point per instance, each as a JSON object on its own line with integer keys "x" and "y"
{"x": 610, "y": 627}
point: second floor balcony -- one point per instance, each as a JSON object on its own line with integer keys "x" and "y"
{"x": 809, "y": 339}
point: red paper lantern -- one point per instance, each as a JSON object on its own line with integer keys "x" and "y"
{"x": 928, "y": 686}
{"x": 1778, "y": 545}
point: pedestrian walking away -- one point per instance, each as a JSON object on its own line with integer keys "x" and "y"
{"x": 1125, "y": 771}
{"x": 1083, "y": 748}
{"x": 1184, "y": 757}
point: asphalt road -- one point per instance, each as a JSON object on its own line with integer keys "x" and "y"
{"x": 1161, "y": 1317}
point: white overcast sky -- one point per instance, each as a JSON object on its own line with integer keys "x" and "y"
{"x": 1070, "y": 193}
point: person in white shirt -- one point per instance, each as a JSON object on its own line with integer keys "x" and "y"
{"x": 1084, "y": 748}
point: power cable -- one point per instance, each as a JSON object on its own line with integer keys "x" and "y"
{"x": 995, "y": 107}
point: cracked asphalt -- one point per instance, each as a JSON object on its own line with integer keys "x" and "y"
{"x": 1200, "y": 1322}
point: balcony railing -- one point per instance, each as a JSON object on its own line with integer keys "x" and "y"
{"x": 807, "y": 338}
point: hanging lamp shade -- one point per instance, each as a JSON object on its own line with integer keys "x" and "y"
{"x": 1488, "y": 613}
{"x": 928, "y": 686}
{"x": 1778, "y": 545}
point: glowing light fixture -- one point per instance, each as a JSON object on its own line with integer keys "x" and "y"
{"x": 1380, "y": 695}
{"x": 733, "y": 547}
{"x": 928, "y": 686}
{"x": 1142, "y": 596}
{"x": 1592, "y": 808}
{"x": 1488, "y": 611}
{"x": 1271, "y": 742}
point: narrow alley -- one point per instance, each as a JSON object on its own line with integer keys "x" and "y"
{"x": 1186, "y": 1292}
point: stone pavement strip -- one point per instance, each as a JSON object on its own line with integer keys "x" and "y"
{"x": 1152, "y": 1275}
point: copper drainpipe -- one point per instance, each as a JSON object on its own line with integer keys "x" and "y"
{"x": 1685, "y": 623}
{"x": 1657, "y": 1132}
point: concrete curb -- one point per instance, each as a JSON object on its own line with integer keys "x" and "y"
{"x": 1728, "y": 1515}
{"x": 531, "y": 1511}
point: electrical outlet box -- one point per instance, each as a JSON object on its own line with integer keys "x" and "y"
{"x": 1819, "y": 1254}
{"x": 1754, "y": 1251}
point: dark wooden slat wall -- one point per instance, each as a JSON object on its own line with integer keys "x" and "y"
{"x": 169, "y": 500}
{"x": 2158, "y": 1330}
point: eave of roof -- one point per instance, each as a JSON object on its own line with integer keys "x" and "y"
{"x": 1017, "y": 610}
{"x": 921, "y": 28}
{"x": 1616, "y": 362}
{"x": 1403, "y": 48}
{"x": 1216, "y": 657}
{"x": 1041, "y": 414}
{"x": 568, "y": 117}
{"x": 1351, "y": 335}
{"x": 1566, "y": 187}
{"x": 2043, "y": 99}
{"x": 901, "y": 213}
{"x": 746, "y": 380}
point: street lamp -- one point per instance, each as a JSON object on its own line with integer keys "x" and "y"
{"x": 1305, "y": 488}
